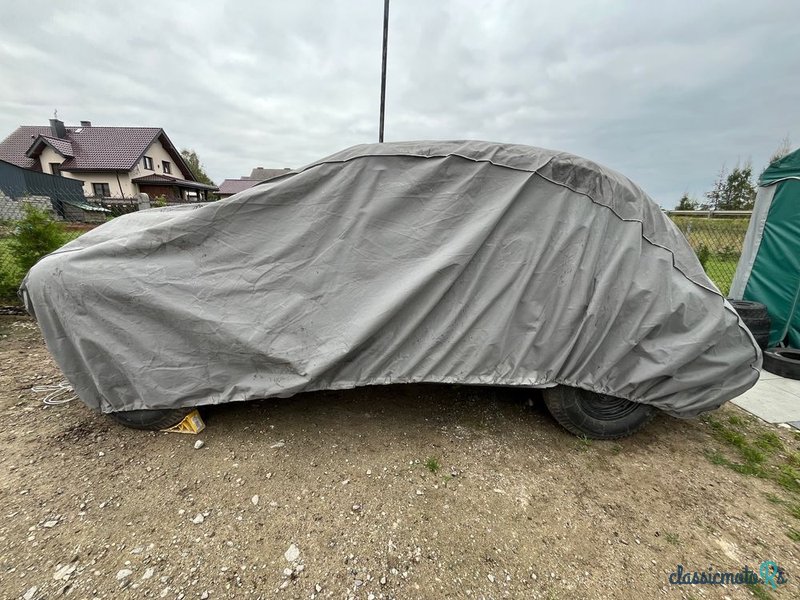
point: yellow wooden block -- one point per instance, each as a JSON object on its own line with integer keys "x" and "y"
{"x": 192, "y": 423}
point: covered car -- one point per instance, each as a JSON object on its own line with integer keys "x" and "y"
{"x": 449, "y": 262}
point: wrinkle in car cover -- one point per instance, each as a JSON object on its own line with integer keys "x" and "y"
{"x": 461, "y": 262}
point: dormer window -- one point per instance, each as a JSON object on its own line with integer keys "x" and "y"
{"x": 148, "y": 163}
{"x": 167, "y": 167}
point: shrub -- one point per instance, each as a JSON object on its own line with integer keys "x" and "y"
{"x": 703, "y": 254}
{"x": 36, "y": 235}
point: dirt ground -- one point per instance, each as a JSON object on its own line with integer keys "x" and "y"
{"x": 387, "y": 492}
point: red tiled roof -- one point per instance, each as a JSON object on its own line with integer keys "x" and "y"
{"x": 234, "y": 186}
{"x": 92, "y": 148}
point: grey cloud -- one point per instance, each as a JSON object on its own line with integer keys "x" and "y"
{"x": 665, "y": 93}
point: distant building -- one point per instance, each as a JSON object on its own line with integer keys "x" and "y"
{"x": 112, "y": 162}
{"x": 229, "y": 187}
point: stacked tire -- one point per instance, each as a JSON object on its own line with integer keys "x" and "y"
{"x": 754, "y": 315}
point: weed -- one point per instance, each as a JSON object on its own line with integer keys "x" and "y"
{"x": 759, "y": 592}
{"x": 672, "y": 538}
{"x": 583, "y": 444}
{"x": 793, "y": 459}
{"x": 736, "y": 421}
{"x": 432, "y": 464}
{"x": 773, "y": 498}
{"x": 788, "y": 478}
{"x": 794, "y": 510}
{"x": 769, "y": 442}
{"x": 793, "y": 535}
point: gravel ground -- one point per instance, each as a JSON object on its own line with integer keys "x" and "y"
{"x": 413, "y": 491}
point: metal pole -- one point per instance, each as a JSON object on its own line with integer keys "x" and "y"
{"x": 383, "y": 65}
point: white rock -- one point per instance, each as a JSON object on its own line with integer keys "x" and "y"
{"x": 149, "y": 572}
{"x": 254, "y": 500}
{"x": 204, "y": 596}
{"x": 29, "y": 595}
{"x": 292, "y": 554}
{"x": 198, "y": 519}
{"x": 199, "y": 444}
{"x": 280, "y": 444}
{"x": 287, "y": 572}
{"x": 64, "y": 572}
{"x": 420, "y": 492}
{"x": 383, "y": 580}
{"x": 490, "y": 577}
{"x": 123, "y": 573}
{"x": 50, "y": 524}
{"x": 285, "y": 584}
{"x": 299, "y": 569}
{"x": 318, "y": 588}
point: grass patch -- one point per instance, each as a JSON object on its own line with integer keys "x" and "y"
{"x": 432, "y": 464}
{"x": 672, "y": 538}
{"x": 788, "y": 478}
{"x": 769, "y": 442}
{"x": 774, "y": 499}
{"x": 759, "y": 591}
{"x": 793, "y": 535}
{"x": 583, "y": 444}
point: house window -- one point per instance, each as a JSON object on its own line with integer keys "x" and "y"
{"x": 166, "y": 166}
{"x": 101, "y": 190}
{"x": 55, "y": 168}
{"x": 148, "y": 163}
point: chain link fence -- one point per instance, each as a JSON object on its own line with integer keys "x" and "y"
{"x": 717, "y": 238}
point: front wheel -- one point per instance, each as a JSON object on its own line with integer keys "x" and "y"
{"x": 597, "y": 416}
{"x": 150, "y": 420}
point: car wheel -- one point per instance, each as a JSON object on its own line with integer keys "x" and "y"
{"x": 597, "y": 416}
{"x": 783, "y": 361}
{"x": 152, "y": 420}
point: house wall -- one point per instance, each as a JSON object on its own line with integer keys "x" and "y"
{"x": 128, "y": 189}
{"x": 48, "y": 156}
{"x": 157, "y": 152}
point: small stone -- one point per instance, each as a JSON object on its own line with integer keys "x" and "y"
{"x": 101, "y": 454}
{"x": 254, "y": 500}
{"x": 123, "y": 573}
{"x": 383, "y": 580}
{"x": 292, "y": 554}
{"x": 533, "y": 576}
{"x": 49, "y": 524}
{"x": 356, "y": 507}
{"x": 199, "y": 444}
{"x": 287, "y": 572}
{"x": 369, "y": 471}
{"x": 198, "y": 519}
{"x": 490, "y": 577}
{"x": 64, "y": 572}
{"x": 149, "y": 572}
{"x": 371, "y": 596}
{"x": 204, "y": 596}
{"x": 318, "y": 588}
{"x": 299, "y": 569}
{"x": 285, "y": 584}
{"x": 29, "y": 595}
{"x": 280, "y": 444}
{"x": 420, "y": 492}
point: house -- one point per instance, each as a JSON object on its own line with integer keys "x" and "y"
{"x": 112, "y": 162}
{"x": 229, "y": 187}
{"x": 60, "y": 196}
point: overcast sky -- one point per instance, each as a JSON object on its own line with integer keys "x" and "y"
{"x": 665, "y": 92}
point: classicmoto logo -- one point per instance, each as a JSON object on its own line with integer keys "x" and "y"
{"x": 769, "y": 573}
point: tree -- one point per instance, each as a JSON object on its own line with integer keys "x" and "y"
{"x": 687, "y": 203}
{"x": 195, "y": 166}
{"x": 782, "y": 150}
{"x": 734, "y": 191}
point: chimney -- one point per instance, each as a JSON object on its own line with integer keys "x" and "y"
{"x": 86, "y": 123}
{"x": 57, "y": 129}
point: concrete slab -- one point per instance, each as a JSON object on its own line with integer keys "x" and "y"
{"x": 774, "y": 399}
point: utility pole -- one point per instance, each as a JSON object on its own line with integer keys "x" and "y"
{"x": 383, "y": 65}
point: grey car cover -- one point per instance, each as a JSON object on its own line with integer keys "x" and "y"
{"x": 467, "y": 262}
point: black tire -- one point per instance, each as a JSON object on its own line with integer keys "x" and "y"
{"x": 596, "y": 416}
{"x": 783, "y": 361}
{"x": 749, "y": 310}
{"x": 151, "y": 420}
{"x": 755, "y": 317}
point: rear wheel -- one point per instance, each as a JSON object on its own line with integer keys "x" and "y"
{"x": 152, "y": 420}
{"x": 597, "y": 416}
